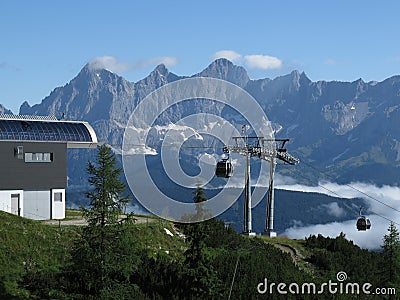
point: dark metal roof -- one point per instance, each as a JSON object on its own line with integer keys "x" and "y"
{"x": 75, "y": 134}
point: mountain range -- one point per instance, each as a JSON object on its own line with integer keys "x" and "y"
{"x": 347, "y": 131}
{"x": 341, "y": 131}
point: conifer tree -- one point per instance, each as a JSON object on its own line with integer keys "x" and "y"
{"x": 201, "y": 278}
{"x": 102, "y": 256}
{"x": 391, "y": 256}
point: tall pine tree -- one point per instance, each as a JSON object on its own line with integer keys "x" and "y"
{"x": 102, "y": 258}
{"x": 201, "y": 279}
{"x": 391, "y": 257}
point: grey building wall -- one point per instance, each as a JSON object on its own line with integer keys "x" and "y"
{"x": 17, "y": 174}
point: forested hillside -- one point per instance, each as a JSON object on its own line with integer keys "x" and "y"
{"x": 117, "y": 255}
{"x": 175, "y": 261}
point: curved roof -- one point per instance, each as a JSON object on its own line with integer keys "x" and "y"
{"x": 46, "y": 129}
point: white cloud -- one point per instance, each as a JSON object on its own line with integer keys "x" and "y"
{"x": 374, "y": 196}
{"x": 334, "y": 209}
{"x": 330, "y": 62}
{"x": 5, "y": 65}
{"x": 371, "y": 239}
{"x": 253, "y": 61}
{"x": 168, "y": 61}
{"x": 109, "y": 63}
{"x": 115, "y": 65}
{"x": 257, "y": 61}
{"x": 383, "y": 205}
{"x": 228, "y": 54}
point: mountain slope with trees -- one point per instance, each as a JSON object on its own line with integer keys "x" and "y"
{"x": 113, "y": 258}
{"x": 35, "y": 260}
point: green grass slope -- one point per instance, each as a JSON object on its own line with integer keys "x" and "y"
{"x": 27, "y": 249}
{"x": 34, "y": 255}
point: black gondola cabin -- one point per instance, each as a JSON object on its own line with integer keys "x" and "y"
{"x": 363, "y": 223}
{"x": 224, "y": 169}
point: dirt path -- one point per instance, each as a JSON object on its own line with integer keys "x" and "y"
{"x": 286, "y": 249}
{"x": 79, "y": 221}
{"x": 298, "y": 258}
{"x": 294, "y": 253}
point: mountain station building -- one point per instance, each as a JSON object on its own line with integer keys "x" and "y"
{"x": 33, "y": 163}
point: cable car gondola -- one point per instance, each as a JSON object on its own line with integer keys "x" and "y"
{"x": 224, "y": 169}
{"x": 363, "y": 223}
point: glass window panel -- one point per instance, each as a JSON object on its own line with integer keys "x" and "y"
{"x": 46, "y": 157}
{"x": 38, "y": 157}
{"x": 28, "y": 157}
{"x": 57, "y": 197}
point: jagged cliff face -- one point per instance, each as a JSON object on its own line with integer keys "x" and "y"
{"x": 349, "y": 129}
{"x": 4, "y": 110}
{"x": 225, "y": 70}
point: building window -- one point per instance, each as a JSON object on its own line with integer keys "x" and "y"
{"x": 19, "y": 152}
{"x": 38, "y": 157}
{"x": 57, "y": 197}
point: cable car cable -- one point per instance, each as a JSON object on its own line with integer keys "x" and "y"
{"x": 350, "y": 186}
{"x": 345, "y": 204}
{"x": 302, "y": 175}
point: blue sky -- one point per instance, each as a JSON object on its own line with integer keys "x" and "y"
{"x": 44, "y": 44}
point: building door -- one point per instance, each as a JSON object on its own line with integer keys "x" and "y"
{"x": 15, "y": 205}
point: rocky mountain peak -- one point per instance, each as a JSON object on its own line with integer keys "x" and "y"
{"x": 223, "y": 68}
{"x": 90, "y": 73}
{"x": 4, "y": 110}
{"x": 87, "y": 71}
{"x": 157, "y": 78}
{"x": 24, "y": 108}
{"x": 298, "y": 77}
{"x": 304, "y": 78}
{"x": 162, "y": 70}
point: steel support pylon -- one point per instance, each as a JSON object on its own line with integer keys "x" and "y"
{"x": 269, "y": 220}
{"x": 271, "y": 150}
{"x": 247, "y": 226}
